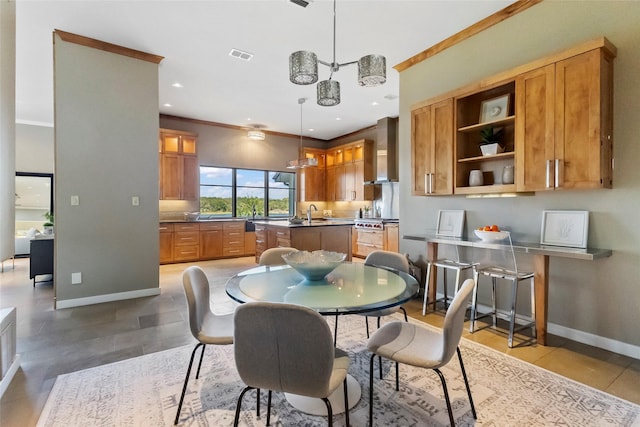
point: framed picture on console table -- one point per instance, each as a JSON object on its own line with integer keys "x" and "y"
{"x": 450, "y": 223}
{"x": 565, "y": 228}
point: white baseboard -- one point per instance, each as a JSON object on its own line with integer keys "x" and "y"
{"x": 6, "y": 380}
{"x": 98, "y": 299}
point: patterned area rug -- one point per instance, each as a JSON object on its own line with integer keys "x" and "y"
{"x": 144, "y": 391}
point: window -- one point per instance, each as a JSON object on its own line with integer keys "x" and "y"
{"x": 231, "y": 192}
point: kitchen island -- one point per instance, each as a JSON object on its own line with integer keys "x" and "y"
{"x": 326, "y": 234}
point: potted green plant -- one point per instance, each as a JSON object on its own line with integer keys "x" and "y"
{"x": 48, "y": 226}
{"x": 491, "y": 141}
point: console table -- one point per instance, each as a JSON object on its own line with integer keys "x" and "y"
{"x": 540, "y": 253}
{"x": 41, "y": 261}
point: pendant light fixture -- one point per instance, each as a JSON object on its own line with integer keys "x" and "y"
{"x": 256, "y": 134}
{"x": 303, "y": 162}
{"x": 303, "y": 70}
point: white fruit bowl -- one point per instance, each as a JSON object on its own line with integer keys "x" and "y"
{"x": 314, "y": 265}
{"x": 491, "y": 236}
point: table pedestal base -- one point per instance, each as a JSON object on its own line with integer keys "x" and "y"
{"x": 315, "y": 406}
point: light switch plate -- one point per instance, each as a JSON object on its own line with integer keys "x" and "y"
{"x": 135, "y": 201}
{"x": 75, "y": 200}
{"x": 76, "y": 278}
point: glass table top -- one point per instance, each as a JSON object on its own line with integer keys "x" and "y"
{"x": 350, "y": 288}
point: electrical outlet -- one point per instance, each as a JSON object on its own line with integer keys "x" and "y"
{"x": 76, "y": 278}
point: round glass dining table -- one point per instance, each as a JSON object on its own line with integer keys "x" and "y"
{"x": 351, "y": 288}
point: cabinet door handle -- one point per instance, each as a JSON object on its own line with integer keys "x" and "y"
{"x": 558, "y": 177}
{"x": 426, "y": 187}
{"x": 431, "y": 183}
{"x": 548, "y": 183}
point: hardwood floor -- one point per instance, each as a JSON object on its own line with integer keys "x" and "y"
{"x": 53, "y": 342}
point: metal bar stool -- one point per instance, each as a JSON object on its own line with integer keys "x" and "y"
{"x": 445, "y": 264}
{"x": 514, "y": 276}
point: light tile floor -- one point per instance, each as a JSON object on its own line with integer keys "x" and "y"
{"x": 53, "y": 342}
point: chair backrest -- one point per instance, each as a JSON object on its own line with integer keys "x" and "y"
{"x": 283, "y": 347}
{"x": 273, "y": 256}
{"x": 499, "y": 253}
{"x": 454, "y": 320}
{"x": 196, "y": 289}
{"x": 388, "y": 259}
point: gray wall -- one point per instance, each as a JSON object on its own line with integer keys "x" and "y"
{"x": 106, "y": 151}
{"x": 588, "y": 301}
{"x": 7, "y": 128}
{"x": 34, "y": 148}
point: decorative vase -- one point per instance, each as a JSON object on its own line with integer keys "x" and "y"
{"x": 507, "y": 175}
{"x": 476, "y": 178}
{"x": 490, "y": 149}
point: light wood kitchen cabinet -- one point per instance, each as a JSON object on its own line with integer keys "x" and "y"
{"x": 432, "y": 149}
{"x": 565, "y": 133}
{"x": 354, "y": 167}
{"x": 211, "y": 240}
{"x": 312, "y": 179}
{"x": 261, "y": 241}
{"x": 166, "y": 243}
{"x": 556, "y": 127}
{"x": 331, "y": 183}
{"x": 233, "y": 238}
{"x": 186, "y": 242}
{"x": 367, "y": 241}
{"x": 178, "y": 165}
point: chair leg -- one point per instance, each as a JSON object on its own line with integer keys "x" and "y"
{"x": 493, "y": 301}
{"x": 446, "y": 396}
{"x": 366, "y": 322}
{"x": 200, "y": 364}
{"x": 335, "y": 331}
{"x": 346, "y": 403}
{"x": 444, "y": 287}
{"x": 533, "y": 308}
{"x": 397, "y": 377}
{"x": 373, "y": 356}
{"x": 466, "y": 383}
{"x": 329, "y": 410}
{"x": 258, "y": 403}
{"x": 269, "y": 408}
{"x": 425, "y": 300}
{"x": 474, "y": 303}
{"x": 239, "y": 404}
{"x": 186, "y": 380}
{"x": 406, "y": 318}
{"x": 512, "y": 314}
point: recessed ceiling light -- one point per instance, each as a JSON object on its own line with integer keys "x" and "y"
{"x": 240, "y": 54}
{"x": 338, "y": 118}
{"x": 176, "y": 84}
{"x": 374, "y": 103}
{"x": 311, "y": 129}
{"x": 166, "y": 105}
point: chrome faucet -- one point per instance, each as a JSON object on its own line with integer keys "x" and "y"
{"x": 309, "y": 212}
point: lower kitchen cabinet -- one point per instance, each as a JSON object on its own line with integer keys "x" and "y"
{"x": 200, "y": 241}
{"x": 366, "y": 241}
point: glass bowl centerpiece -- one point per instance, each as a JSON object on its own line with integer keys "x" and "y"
{"x": 314, "y": 265}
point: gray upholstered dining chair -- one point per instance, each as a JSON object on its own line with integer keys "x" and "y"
{"x": 206, "y": 327}
{"x": 425, "y": 348}
{"x": 273, "y": 256}
{"x": 392, "y": 260}
{"x": 287, "y": 348}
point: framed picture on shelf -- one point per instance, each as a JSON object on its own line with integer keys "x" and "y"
{"x": 450, "y": 223}
{"x": 565, "y": 228}
{"x": 494, "y": 109}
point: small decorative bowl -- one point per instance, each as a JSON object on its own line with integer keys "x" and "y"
{"x": 314, "y": 265}
{"x": 491, "y": 236}
{"x": 296, "y": 220}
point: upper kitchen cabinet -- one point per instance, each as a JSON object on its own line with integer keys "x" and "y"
{"x": 178, "y": 165}
{"x": 312, "y": 179}
{"x": 348, "y": 168}
{"x": 432, "y": 149}
{"x": 550, "y": 120}
{"x": 564, "y": 126}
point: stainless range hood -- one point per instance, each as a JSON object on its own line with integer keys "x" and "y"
{"x": 386, "y": 151}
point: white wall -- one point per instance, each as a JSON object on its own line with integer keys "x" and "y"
{"x": 597, "y": 301}
{"x": 34, "y": 148}
{"x": 106, "y": 151}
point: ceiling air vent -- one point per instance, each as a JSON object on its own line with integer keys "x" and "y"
{"x": 302, "y": 3}
{"x": 240, "y": 54}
